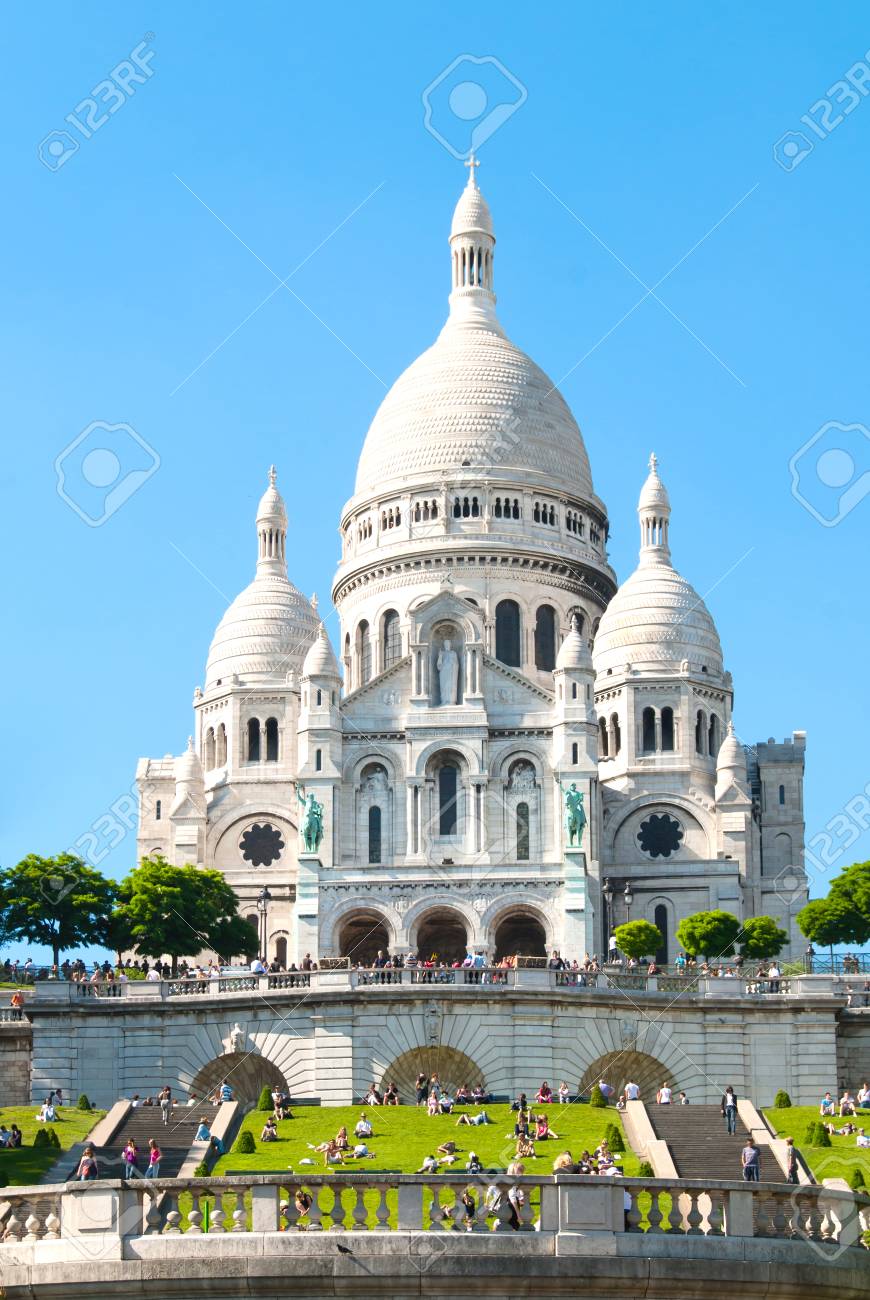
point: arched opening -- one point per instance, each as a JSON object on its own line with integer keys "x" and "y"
{"x": 253, "y": 740}
{"x": 603, "y": 738}
{"x": 545, "y": 638}
{"x": 246, "y": 1073}
{"x": 448, "y": 799}
{"x": 271, "y": 740}
{"x": 392, "y": 639}
{"x": 615, "y": 735}
{"x": 782, "y": 851}
{"x": 781, "y": 795}
{"x": 520, "y": 935}
{"x": 667, "y": 729}
{"x": 363, "y": 653}
{"x": 362, "y": 936}
{"x": 713, "y": 735}
{"x": 220, "y": 755}
{"x": 620, "y": 1068}
{"x": 648, "y": 731}
{"x": 522, "y": 818}
{"x": 374, "y": 834}
{"x": 507, "y": 633}
{"x": 451, "y": 1066}
{"x": 660, "y": 921}
{"x": 442, "y": 936}
{"x": 281, "y": 951}
{"x": 208, "y": 750}
{"x": 700, "y": 732}
{"x": 158, "y": 810}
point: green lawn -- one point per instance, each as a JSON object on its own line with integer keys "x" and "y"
{"x": 403, "y": 1135}
{"x": 27, "y": 1164}
{"x": 836, "y": 1161}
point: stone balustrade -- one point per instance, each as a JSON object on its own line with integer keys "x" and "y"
{"x": 119, "y": 1217}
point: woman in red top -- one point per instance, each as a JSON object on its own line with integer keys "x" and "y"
{"x": 544, "y": 1094}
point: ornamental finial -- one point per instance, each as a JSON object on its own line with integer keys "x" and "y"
{"x": 471, "y": 162}
{"x": 653, "y": 463}
{"x": 273, "y": 474}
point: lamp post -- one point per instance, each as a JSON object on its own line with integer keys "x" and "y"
{"x": 629, "y": 899}
{"x": 607, "y": 894}
{"x": 264, "y": 898}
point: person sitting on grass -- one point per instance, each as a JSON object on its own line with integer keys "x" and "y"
{"x": 363, "y": 1127}
{"x": 5, "y": 1135}
{"x": 472, "y": 1164}
{"x": 521, "y": 1103}
{"x": 564, "y": 1163}
{"x": 864, "y": 1096}
{"x": 429, "y": 1166}
{"x": 330, "y": 1151}
{"x": 445, "y": 1103}
{"x": 544, "y": 1095}
{"x": 15, "y": 1137}
{"x": 861, "y": 1139}
{"x": 563, "y": 1093}
{"x": 270, "y": 1130}
{"x": 827, "y": 1105}
{"x": 462, "y": 1095}
{"x": 525, "y": 1149}
{"x": 47, "y": 1113}
{"x": 361, "y": 1152}
{"x": 474, "y": 1120}
{"x": 447, "y": 1153}
{"x": 479, "y": 1094}
{"x": 847, "y": 1104}
{"x": 543, "y": 1130}
{"x": 303, "y": 1202}
{"x": 373, "y": 1097}
{"x": 433, "y": 1106}
{"x": 341, "y": 1139}
{"x": 521, "y": 1127}
{"x": 391, "y": 1096}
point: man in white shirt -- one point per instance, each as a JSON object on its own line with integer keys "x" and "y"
{"x": 153, "y": 976}
{"x": 632, "y": 1092}
{"x": 363, "y": 1126}
{"x": 664, "y": 1095}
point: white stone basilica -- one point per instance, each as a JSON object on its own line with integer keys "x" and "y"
{"x": 487, "y": 658}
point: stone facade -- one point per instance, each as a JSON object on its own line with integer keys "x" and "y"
{"x": 486, "y": 661}
{"x": 15, "y": 1045}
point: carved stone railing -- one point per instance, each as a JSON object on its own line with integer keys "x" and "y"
{"x": 266, "y": 1203}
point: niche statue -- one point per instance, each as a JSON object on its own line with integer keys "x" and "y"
{"x": 575, "y": 814}
{"x": 311, "y": 819}
{"x": 447, "y": 664}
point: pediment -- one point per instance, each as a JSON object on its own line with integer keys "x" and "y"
{"x": 509, "y": 687}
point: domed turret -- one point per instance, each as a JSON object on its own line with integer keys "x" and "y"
{"x": 731, "y": 760}
{"x": 320, "y": 660}
{"x": 574, "y": 651}
{"x": 189, "y": 782}
{"x": 268, "y": 628}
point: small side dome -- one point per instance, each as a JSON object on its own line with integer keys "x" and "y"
{"x": 654, "y": 494}
{"x": 320, "y": 660}
{"x": 271, "y": 502}
{"x": 471, "y": 213}
{"x": 573, "y": 652}
{"x": 731, "y": 757}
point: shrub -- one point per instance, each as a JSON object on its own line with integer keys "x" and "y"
{"x": 83, "y": 1103}
{"x": 201, "y": 1170}
{"x": 613, "y": 1137}
{"x": 4, "y": 1181}
{"x": 41, "y": 1138}
{"x": 597, "y": 1098}
{"x": 645, "y": 1170}
{"x": 245, "y": 1145}
{"x": 856, "y": 1180}
{"x": 782, "y": 1101}
{"x": 812, "y": 1133}
{"x": 265, "y": 1102}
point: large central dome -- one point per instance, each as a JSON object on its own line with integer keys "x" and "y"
{"x": 474, "y": 401}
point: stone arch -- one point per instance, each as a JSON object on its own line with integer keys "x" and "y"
{"x": 338, "y": 916}
{"x": 361, "y": 935}
{"x": 502, "y": 913}
{"x": 444, "y": 929}
{"x": 452, "y": 1067}
{"x": 460, "y": 747}
{"x": 620, "y": 1068}
{"x": 696, "y": 816}
{"x": 246, "y": 1072}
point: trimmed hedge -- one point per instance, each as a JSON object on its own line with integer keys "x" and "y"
{"x": 782, "y": 1101}
{"x": 245, "y": 1144}
{"x": 597, "y": 1098}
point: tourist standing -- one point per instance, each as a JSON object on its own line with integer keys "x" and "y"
{"x": 751, "y": 1162}
{"x": 87, "y": 1169}
{"x": 729, "y": 1109}
{"x": 153, "y": 1170}
{"x": 791, "y": 1162}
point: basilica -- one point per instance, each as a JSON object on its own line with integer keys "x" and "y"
{"x": 484, "y": 669}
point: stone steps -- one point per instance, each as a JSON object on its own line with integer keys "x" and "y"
{"x": 698, "y": 1141}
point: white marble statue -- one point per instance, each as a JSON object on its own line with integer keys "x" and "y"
{"x": 448, "y": 673}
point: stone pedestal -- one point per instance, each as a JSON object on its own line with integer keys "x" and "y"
{"x": 307, "y": 906}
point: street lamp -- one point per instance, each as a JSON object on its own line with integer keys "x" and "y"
{"x": 607, "y": 894}
{"x": 264, "y": 898}
{"x": 629, "y": 899}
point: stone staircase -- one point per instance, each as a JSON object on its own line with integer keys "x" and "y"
{"x": 701, "y": 1146}
{"x": 144, "y": 1122}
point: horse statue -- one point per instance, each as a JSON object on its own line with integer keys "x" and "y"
{"x": 575, "y": 814}
{"x": 311, "y": 819}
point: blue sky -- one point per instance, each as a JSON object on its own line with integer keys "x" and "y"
{"x": 643, "y": 148}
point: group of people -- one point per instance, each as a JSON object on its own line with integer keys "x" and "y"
{"x": 849, "y": 1104}
{"x": 10, "y": 1138}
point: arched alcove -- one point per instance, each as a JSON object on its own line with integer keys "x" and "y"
{"x": 452, "y": 1067}
{"x": 442, "y": 934}
{"x": 620, "y": 1068}
{"x": 361, "y": 936}
{"x": 245, "y": 1072}
{"x": 520, "y": 934}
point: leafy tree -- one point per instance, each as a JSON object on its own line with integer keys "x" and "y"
{"x": 119, "y": 935}
{"x": 712, "y": 934}
{"x": 826, "y": 921}
{"x": 761, "y": 937}
{"x": 850, "y": 891}
{"x": 233, "y": 936}
{"x": 60, "y": 902}
{"x": 638, "y": 938}
{"x": 180, "y": 911}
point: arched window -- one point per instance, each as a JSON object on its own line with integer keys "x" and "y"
{"x": 573, "y": 690}
{"x": 374, "y": 833}
{"x": 574, "y": 752}
{"x": 448, "y": 794}
{"x": 713, "y": 735}
{"x": 603, "y": 738}
{"x": 522, "y": 832}
{"x": 660, "y": 921}
{"x": 271, "y": 740}
{"x": 700, "y": 732}
{"x": 318, "y": 760}
{"x": 507, "y": 632}
{"x": 782, "y": 794}
{"x": 281, "y": 952}
{"x": 667, "y": 729}
{"x": 615, "y": 735}
{"x": 648, "y": 731}
{"x": 158, "y": 810}
{"x": 364, "y": 653}
{"x": 545, "y": 638}
{"x": 253, "y": 740}
{"x": 392, "y": 638}
{"x": 208, "y": 750}
{"x": 221, "y": 745}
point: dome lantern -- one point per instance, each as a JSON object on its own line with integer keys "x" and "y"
{"x": 272, "y": 528}
{"x": 472, "y": 247}
{"x": 654, "y": 513}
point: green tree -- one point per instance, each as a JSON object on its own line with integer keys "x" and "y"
{"x": 60, "y": 902}
{"x": 712, "y": 934}
{"x": 851, "y": 892}
{"x": 826, "y": 921}
{"x": 179, "y": 911}
{"x": 638, "y": 938}
{"x": 233, "y": 936}
{"x": 760, "y": 936}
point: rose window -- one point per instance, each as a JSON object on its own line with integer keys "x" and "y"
{"x": 660, "y": 835}
{"x": 261, "y": 844}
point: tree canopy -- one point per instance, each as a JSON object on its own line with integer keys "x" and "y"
{"x": 760, "y": 936}
{"x": 180, "y": 910}
{"x": 844, "y": 915}
{"x": 712, "y": 934}
{"x": 638, "y": 938}
{"x": 60, "y": 902}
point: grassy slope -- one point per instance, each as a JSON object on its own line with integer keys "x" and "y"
{"x": 836, "y": 1161}
{"x": 27, "y": 1165}
{"x": 403, "y": 1135}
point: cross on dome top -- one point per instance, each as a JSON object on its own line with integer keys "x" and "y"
{"x": 471, "y": 163}
{"x": 273, "y": 475}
